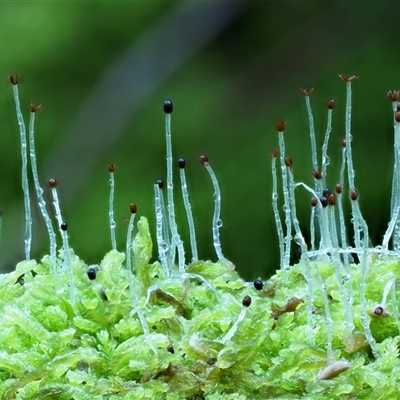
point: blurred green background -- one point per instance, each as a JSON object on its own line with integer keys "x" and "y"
{"x": 102, "y": 71}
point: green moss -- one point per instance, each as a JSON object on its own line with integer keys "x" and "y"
{"x": 48, "y": 352}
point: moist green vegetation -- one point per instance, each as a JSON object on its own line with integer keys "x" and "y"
{"x": 48, "y": 351}
{"x": 134, "y": 328}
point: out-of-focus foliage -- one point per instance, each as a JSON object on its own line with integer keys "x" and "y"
{"x": 102, "y": 71}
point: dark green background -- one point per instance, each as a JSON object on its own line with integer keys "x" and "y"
{"x": 103, "y": 69}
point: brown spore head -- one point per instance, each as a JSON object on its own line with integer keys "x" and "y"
{"x": 280, "y": 125}
{"x": 52, "y": 183}
{"x": 14, "y": 79}
{"x": 204, "y": 159}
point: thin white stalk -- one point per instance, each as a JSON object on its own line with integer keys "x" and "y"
{"x": 312, "y": 227}
{"x": 358, "y": 221}
{"x": 217, "y": 222}
{"x": 41, "y": 201}
{"x": 342, "y": 224}
{"x": 323, "y": 219}
{"x": 162, "y": 243}
{"x": 229, "y": 335}
{"x": 328, "y": 317}
{"x": 286, "y": 203}
{"x": 395, "y": 305}
{"x": 166, "y": 232}
{"x": 25, "y": 185}
{"x": 394, "y": 224}
{"x": 176, "y": 241}
{"x": 113, "y": 225}
{"x": 364, "y": 306}
{"x": 314, "y": 157}
{"x": 188, "y": 208}
{"x": 278, "y": 221}
{"x": 325, "y": 158}
{"x": 299, "y": 239}
{"x": 135, "y": 299}
{"x": 67, "y": 256}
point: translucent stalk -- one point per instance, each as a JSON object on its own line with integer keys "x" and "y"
{"x": 328, "y": 316}
{"x": 395, "y": 305}
{"x": 25, "y": 185}
{"x": 229, "y": 335}
{"x": 312, "y": 228}
{"x": 111, "y": 168}
{"x": 363, "y": 305}
{"x": 217, "y": 222}
{"x": 278, "y": 221}
{"x": 176, "y": 241}
{"x": 313, "y": 142}
{"x": 166, "y": 232}
{"x": 342, "y": 223}
{"x": 358, "y": 221}
{"x": 325, "y": 158}
{"x": 42, "y": 203}
{"x": 163, "y": 246}
{"x": 67, "y": 256}
{"x": 286, "y": 200}
{"x": 332, "y": 227}
{"x": 345, "y": 296}
{"x": 394, "y": 225}
{"x": 325, "y": 242}
{"x": 386, "y": 290}
{"x": 138, "y": 310}
{"x": 188, "y": 208}
{"x": 299, "y": 239}
{"x": 323, "y": 220}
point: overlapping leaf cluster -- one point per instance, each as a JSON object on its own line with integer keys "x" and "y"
{"x": 48, "y": 352}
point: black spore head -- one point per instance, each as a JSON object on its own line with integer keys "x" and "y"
{"x": 92, "y": 273}
{"x": 168, "y": 106}
{"x": 181, "y": 163}
{"x": 246, "y": 301}
{"x": 258, "y": 284}
{"x": 324, "y": 201}
{"x": 171, "y": 349}
{"x": 326, "y": 192}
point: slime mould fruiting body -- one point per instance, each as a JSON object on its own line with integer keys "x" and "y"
{"x": 134, "y": 328}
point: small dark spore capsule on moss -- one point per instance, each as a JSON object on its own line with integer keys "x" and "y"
{"x": 171, "y": 349}
{"x": 64, "y": 226}
{"x": 168, "y": 106}
{"x": 258, "y": 284}
{"x": 378, "y": 311}
{"x": 160, "y": 183}
{"x": 246, "y": 301}
{"x": 91, "y": 273}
